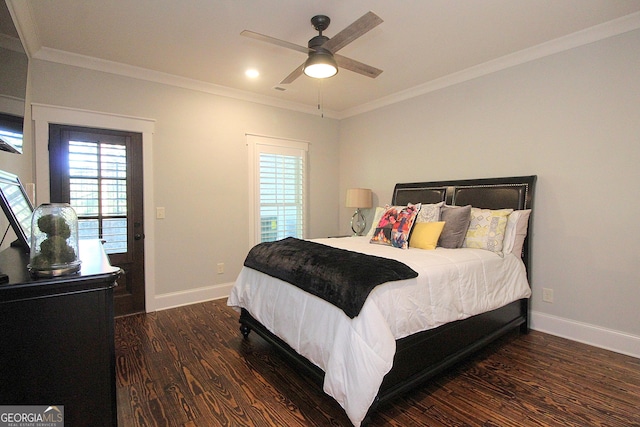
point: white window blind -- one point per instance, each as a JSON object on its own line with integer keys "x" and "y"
{"x": 278, "y": 188}
{"x": 98, "y": 192}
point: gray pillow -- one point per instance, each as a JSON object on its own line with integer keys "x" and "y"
{"x": 456, "y": 222}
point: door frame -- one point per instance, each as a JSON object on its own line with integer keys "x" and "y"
{"x": 42, "y": 115}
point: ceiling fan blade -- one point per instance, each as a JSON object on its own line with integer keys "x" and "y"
{"x": 357, "y": 67}
{"x": 360, "y": 26}
{"x": 275, "y": 41}
{"x": 294, "y": 75}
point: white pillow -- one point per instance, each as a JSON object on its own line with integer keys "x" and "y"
{"x": 374, "y": 222}
{"x": 516, "y": 231}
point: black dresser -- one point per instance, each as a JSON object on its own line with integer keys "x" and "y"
{"x": 57, "y": 337}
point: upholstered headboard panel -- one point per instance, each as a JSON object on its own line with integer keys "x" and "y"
{"x": 414, "y": 193}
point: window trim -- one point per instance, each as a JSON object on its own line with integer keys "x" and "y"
{"x": 253, "y": 143}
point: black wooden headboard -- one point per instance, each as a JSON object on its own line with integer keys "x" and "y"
{"x": 487, "y": 193}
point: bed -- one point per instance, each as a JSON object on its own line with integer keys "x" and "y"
{"x": 375, "y": 360}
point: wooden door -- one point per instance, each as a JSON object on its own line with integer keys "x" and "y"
{"x": 99, "y": 172}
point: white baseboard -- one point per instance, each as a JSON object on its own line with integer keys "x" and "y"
{"x": 617, "y": 341}
{"x": 192, "y": 296}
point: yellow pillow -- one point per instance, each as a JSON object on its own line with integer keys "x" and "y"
{"x": 425, "y": 234}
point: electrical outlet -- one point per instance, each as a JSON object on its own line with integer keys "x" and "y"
{"x": 547, "y": 295}
{"x": 221, "y": 268}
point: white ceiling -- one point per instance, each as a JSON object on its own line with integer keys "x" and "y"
{"x": 421, "y": 45}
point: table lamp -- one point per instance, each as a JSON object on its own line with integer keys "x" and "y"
{"x": 358, "y": 198}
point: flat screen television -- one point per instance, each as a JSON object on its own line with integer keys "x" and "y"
{"x": 17, "y": 207}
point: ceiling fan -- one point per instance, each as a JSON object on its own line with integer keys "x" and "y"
{"x": 322, "y": 61}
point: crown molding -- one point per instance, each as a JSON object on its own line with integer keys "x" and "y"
{"x": 20, "y": 12}
{"x": 11, "y": 43}
{"x": 96, "y": 64}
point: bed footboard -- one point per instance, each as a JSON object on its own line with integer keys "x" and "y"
{"x": 439, "y": 348}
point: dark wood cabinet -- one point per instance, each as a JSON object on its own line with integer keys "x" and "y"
{"x": 57, "y": 337}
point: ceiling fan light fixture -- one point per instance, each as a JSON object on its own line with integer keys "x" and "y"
{"x": 320, "y": 65}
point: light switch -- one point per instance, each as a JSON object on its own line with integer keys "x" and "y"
{"x": 159, "y": 213}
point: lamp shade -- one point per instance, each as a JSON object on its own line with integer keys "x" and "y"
{"x": 358, "y": 198}
{"x": 320, "y": 65}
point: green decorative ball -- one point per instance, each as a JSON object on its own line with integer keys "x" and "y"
{"x": 55, "y": 250}
{"x": 54, "y": 225}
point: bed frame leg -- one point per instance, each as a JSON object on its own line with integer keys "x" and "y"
{"x": 524, "y": 328}
{"x": 245, "y": 330}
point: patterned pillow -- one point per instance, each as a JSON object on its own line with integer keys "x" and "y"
{"x": 429, "y": 212}
{"x": 486, "y": 229}
{"x": 425, "y": 234}
{"x": 395, "y": 225}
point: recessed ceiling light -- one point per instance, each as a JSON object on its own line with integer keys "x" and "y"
{"x": 252, "y": 73}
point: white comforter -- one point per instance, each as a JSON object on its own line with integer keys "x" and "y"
{"x": 355, "y": 354}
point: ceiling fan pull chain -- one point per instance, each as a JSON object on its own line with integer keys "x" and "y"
{"x": 320, "y": 99}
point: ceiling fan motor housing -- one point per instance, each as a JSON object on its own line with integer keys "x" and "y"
{"x": 316, "y": 44}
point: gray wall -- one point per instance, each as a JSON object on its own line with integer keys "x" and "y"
{"x": 574, "y": 120}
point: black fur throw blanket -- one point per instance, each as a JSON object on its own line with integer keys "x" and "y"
{"x": 343, "y": 278}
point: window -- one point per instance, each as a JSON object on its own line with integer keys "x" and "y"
{"x": 98, "y": 192}
{"x": 277, "y": 188}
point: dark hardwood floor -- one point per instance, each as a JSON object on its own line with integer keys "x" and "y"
{"x": 190, "y": 366}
